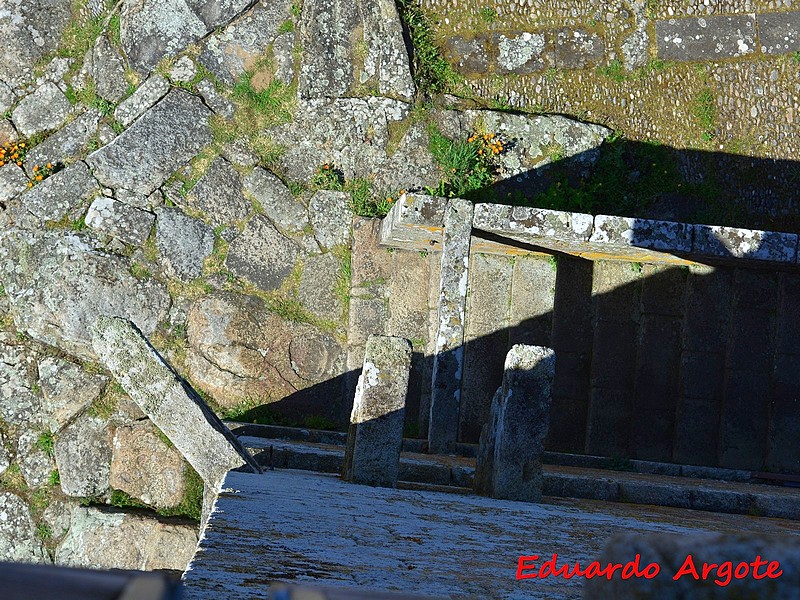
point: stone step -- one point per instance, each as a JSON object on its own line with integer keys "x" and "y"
{"x": 444, "y": 472}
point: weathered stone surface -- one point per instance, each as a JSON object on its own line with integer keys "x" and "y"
{"x": 183, "y": 70}
{"x": 520, "y": 53}
{"x": 510, "y": 456}
{"x": 18, "y": 539}
{"x": 183, "y": 243}
{"x": 350, "y": 133}
{"x": 146, "y": 95}
{"x": 18, "y": 404}
{"x": 236, "y": 48}
{"x": 239, "y": 350}
{"x": 83, "y": 456}
{"x": 12, "y": 183}
{"x": 66, "y": 390}
{"x": 6, "y": 97}
{"x": 635, "y": 48}
{"x": 410, "y": 167}
{"x": 376, "y": 423}
{"x": 553, "y": 229}
{"x": 706, "y": 38}
{"x": 262, "y": 255}
{"x": 670, "y": 552}
{"x": 44, "y": 109}
{"x": 54, "y": 198}
{"x": 779, "y": 33}
{"x": 108, "y": 71}
{"x": 143, "y": 156}
{"x": 176, "y": 410}
{"x": 577, "y": 49}
{"x": 215, "y": 101}
{"x": 642, "y": 233}
{"x": 276, "y": 200}
{"x": 469, "y": 55}
{"x": 66, "y": 143}
{"x": 152, "y": 29}
{"x": 449, "y": 357}
{"x": 732, "y": 242}
{"x": 331, "y": 218}
{"x": 35, "y": 463}
{"x": 125, "y": 223}
{"x": 58, "y": 285}
{"x": 349, "y": 48}
{"x": 216, "y": 12}
{"x": 31, "y": 30}
{"x": 5, "y": 459}
{"x": 218, "y": 193}
{"x": 317, "y": 289}
{"x": 107, "y": 539}
{"x": 143, "y": 466}
{"x": 57, "y": 516}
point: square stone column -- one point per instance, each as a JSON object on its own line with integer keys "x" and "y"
{"x": 372, "y": 456}
{"x": 448, "y": 360}
{"x": 509, "y": 462}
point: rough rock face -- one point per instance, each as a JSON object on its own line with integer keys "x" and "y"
{"x": 125, "y": 223}
{"x": 218, "y": 193}
{"x": 239, "y": 350}
{"x": 183, "y": 243}
{"x": 147, "y": 468}
{"x": 66, "y": 390}
{"x": 276, "y": 200}
{"x": 354, "y": 49}
{"x": 58, "y": 285}
{"x": 236, "y": 48}
{"x": 29, "y": 29}
{"x": 18, "y": 404}
{"x": 151, "y": 29}
{"x": 83, "y": 456}
{"x": 162, "y": 140}
{"x": 44, "y": 109}
{"x": 55, "y": 197}
{"x": 18, "y": 539}
{"x": 262, "y": 255}
{"x": 100, "y": 539}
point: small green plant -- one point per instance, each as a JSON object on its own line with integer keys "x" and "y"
{"x": 553, "y": 261}
{"x": 55, "y": 478}
{"x": 795, "y": 57}
{"x": 121, "y": 499}
{"x": 328, "y": 177}
{"x": 552, "y": 75}
{"x": 44, "y": 532}
{"x": 651, "y": 9}
{"x": 319, "y": 422}
{"x": 553, "y": 151}
{"x": 45, "y": 443}
{"x": 103, "y": 106}
{"x": 432, "y": 73}
{"x": 286, "y": 27}
{"x": 705, "y": 112}
{"x": 78, "y": 224}
{"x": 636, "y": 267}
{"x": 296, "y": 9}
{"x": 139, "y": 271}
{"x": 615, "y": 71}
{"x": 488, "y": 14}
{"x": 468, "y": 166}
{"x": 275, "y": 101}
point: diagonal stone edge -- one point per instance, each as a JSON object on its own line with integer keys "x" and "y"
{"x": 173, "y": 406}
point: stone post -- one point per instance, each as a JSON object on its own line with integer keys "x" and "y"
{"x": 372, "y": 456}
{"x": 448, "y": 360}
{"x": 511, "y": 445}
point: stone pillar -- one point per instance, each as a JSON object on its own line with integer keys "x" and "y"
{"x": 372, "y": 456}
{"x": 511, "y": 446}
{"x": 448, "y": 360}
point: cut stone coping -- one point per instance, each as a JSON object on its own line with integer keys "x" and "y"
{"x": 415, "y": 222}
{"x": 316, "y": 529}
{"x": 178, "y": 411}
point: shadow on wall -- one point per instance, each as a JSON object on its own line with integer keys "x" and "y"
{"x": 693, "y": 365}
{"x": 652, "y": 181}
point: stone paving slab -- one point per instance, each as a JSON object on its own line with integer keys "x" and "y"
{"x": 313, "y": 528}
{"x": 706, "y": 38}
{"x": 779, "y": 33}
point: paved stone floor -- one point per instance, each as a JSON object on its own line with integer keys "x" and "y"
{"x": 313, "y": 528}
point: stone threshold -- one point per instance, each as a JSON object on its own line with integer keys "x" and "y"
{"x": 456, "y": 473}
{"x": 416, "y": 222}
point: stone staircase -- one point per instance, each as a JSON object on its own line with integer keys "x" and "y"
{"x": 677, "y": 358}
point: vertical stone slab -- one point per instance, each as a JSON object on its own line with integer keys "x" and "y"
{"x": 533, "y": 290}
{"x": 485, "y": 340}
{"x": 510, "y": 455}
{"x": 448, "y": 361}
{"x": 177, "y": 410}
{"x": 372, "y": 456}
{"x": 571, "y": 338}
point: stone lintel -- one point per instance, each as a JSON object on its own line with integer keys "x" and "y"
{"x": 448, "y": 358}
{"x": 372, "y": 456}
